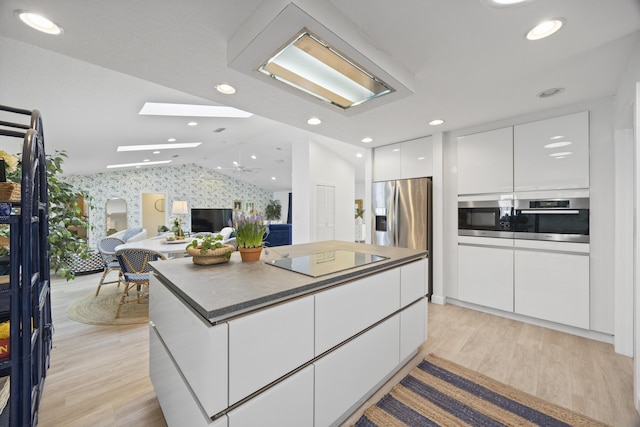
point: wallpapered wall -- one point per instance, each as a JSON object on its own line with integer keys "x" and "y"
{"x": 202, "y": 188}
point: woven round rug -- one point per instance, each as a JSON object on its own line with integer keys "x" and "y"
{"x": 101, "y": 309}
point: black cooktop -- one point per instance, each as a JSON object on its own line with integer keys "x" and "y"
{"x": 328, "y": 262}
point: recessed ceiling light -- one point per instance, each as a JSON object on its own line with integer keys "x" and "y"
{"x": 359, "y": 155}
{"x": 171, "y": 140}
{"x": 192, "y": 124}
{"x": 550, "y": 92}
{"x": 314, "y": 121}
{"x": 158, "y": 146}
{"x": 190, "y": 110}
{"x": 226, "y": 89}
{"x": 395, "y": 149}
{"x": 129, "y": 165}
{"x": 558, "y": 144}
{"x": 545, "y": 29}
{"x": 219, "y": 167}
{"x": 273, "y": 178}
{"x": 156, "y": 152}
{"x": 38, "y": 22}
{"x": 253, "y": 157}
{"x": 557, "y": 137}
{"x": 367, "y": 140}
{"x": 420, "y": 158}
{"x": 436, "y": 122}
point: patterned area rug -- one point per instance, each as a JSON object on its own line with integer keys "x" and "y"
{"x": 101, "y": 309}
{"x": 441, "y": 393}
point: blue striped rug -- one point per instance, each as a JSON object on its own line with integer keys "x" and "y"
{"x": 441, "y": 393}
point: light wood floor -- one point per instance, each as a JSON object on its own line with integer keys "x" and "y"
{"x": 99, "y": 374}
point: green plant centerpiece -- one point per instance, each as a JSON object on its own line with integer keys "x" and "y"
{"x": 209, "y": 250}
{"x": 250, "y": 232}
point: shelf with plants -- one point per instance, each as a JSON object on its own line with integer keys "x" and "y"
{"x": 25, "y": 296}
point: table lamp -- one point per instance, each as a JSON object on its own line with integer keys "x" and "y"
{"x": 179, "y": 208}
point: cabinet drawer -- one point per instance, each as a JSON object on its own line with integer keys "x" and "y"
{"x": 199, "y": 349}
{"x": 413, "y": 328}
{"x": 347, "y": 376}
{"x": 553, "y": 286}
{"x": 268, "y": 344}
{"x": 287, "y": 404}
{"x": 413, "y": 281}
{"x": 348, "y": 309}
{"x": 178, "y": 405}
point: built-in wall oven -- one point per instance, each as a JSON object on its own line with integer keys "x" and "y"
{"x": 552, "y": 219}
{"x": 486, "y": 218}
{"x": 564, "y": 220}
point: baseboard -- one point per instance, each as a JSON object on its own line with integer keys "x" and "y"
{"x": 437, "y": 299}
{"x": 585, "y": 333}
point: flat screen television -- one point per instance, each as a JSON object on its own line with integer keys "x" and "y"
{"x": 209, "y": 219}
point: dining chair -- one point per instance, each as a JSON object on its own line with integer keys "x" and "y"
{"x": 135, "y": 268}
{"x": 107, "y": 251}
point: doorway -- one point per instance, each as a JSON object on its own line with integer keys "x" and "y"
{"x": 153, "y": 212}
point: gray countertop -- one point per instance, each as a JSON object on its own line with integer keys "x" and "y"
{"x": 218, "y": 292}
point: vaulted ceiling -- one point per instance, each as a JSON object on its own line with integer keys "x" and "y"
{"x": 464, "y": 61}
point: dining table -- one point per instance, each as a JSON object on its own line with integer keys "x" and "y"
{"x": 169, "y": 248}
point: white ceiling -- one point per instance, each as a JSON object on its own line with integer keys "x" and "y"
{"x": 466, "y": 62}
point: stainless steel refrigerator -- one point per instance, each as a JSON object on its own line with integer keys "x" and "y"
{"x": 401, "y": 212}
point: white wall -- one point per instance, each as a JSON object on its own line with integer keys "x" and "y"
{"x": 185, "y": 182}
{"x": 627, "y": 301}
{"x": 315, "y": 165}
{"x": 602, "y": 199}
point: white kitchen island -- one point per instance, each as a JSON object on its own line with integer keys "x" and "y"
{"x": 252, "y": 344}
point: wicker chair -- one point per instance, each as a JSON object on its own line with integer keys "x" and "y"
{"x": 135, "y": 268}
{"x": 107, "y": 250}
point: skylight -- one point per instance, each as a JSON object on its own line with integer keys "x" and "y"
{"x": 151, "y": 147}
{"x": 190, "y": 110}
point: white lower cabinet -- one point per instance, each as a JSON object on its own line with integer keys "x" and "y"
{"x": 178, "y": 405}
{"x": 413, "y": 284}
{"x": 413, "y": 328}
{"x": 485, "y": 274}
{"x": 348, "y": 373}
{"x": 199, "y": 349}
{"x": 287, "y": 404}
{"x": 266, "y": 345}
{"x": 552, "y": 282}
{"x": 346, "y": 310}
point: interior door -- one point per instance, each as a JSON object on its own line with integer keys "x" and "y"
{"x": 325, "y": 226}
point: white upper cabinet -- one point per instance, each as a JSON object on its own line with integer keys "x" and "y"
{"x": 485, "y": 162}
{"x": 408, "y": 159}
{"x": 552, "y": 154}
{"x": 416, "y": 158}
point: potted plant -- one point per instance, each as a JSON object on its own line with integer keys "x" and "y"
{"x": 209, "y": 250}
{"x": 65, "y": 215}
{"x": 249, "y": 231}
{"x": 273, "y": 210}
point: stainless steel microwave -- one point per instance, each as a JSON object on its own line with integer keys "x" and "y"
{"x": 487, "y": 218}
{"x": 565, "y": 220}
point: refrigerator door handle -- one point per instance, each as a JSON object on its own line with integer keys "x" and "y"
{"x": 396, "y": 212}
